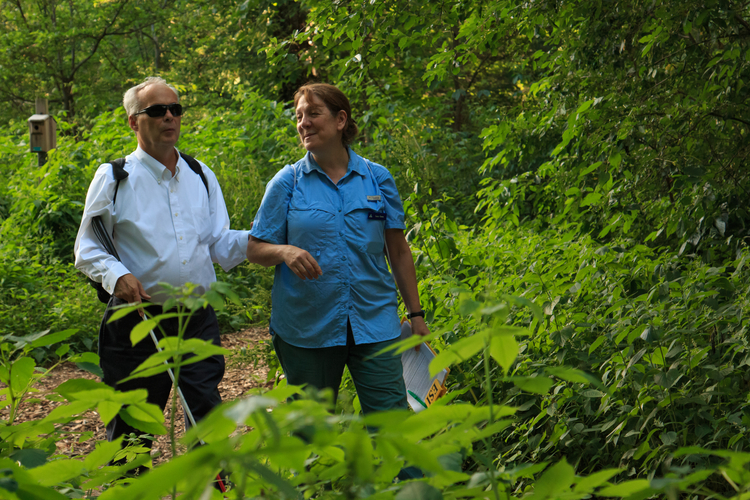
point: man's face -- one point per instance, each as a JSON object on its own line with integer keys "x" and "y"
{"x": 156, "y": 135}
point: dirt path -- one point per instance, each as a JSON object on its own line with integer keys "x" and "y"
{"x": 245, "y": 371}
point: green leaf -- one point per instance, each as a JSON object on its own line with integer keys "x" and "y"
{"x": 9, "y": 484}
{"x": 36, "y": 492}
{"x": 593, "y": 393}
{"x": 599, "y": 341}
{"x": 85, "y": 357}
{"x": 584, "y": 172}
{"x": 121, "y": 312}
{"x": 215, "y": 299}
{"x": 714, "y": 61}
{"x": 573, "y": 375}
{"x": 65, "y": 411}
{"x": 103, "y": 453}
{"x": 54, "y": 338}
{"x": 591, "y": 199}
{"x": 172, "y": 347}
{"x": 584, "y": 107}
{"x": 589, "y": 483}
{"x": 419, "y": 491}
{"x": 460, "y": 351}
{"x": 615, "y": 159}
{"x": 468, "y": 306}
{"x": 452, "y": 461}
{"x": 145, "y": 411}
{"x": 21, "y": 372}
{"x": 625, "y": 488}
{"x": 555, "y": 480}
{"x": 131, "y": 414}
{"x": 241, "y": 411}
{"x": 56, "y": 472}
{"x": 142, "y": 329}
{"x": 108, "y": 410}
{"x": 642, "y": 449}
{"x": 668, "y": 438}
{"x": 91, "y": 368}
{"x": 536, "y": 385}
{"x": 30, "y": 458}
{"x": 70, "y": 388}
{"x": 62, "y": 350}
{"x": 503, "y": 349}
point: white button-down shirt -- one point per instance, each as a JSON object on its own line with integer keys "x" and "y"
{"x": 165, "y": 228}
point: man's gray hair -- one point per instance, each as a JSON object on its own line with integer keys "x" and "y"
{"x": 130, "y": 99}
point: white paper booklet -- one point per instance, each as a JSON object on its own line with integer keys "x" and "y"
{"x": 421, "y": 389}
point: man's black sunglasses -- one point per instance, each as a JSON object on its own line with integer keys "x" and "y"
{"x": 159, "y": 110}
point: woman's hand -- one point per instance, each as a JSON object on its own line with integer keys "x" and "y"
{"x": 301, "y": 263}
{"x": 269, "y": 254}
{"x": 419, "y": 327}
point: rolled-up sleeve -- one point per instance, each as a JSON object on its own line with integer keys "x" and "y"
{"x": 228, "y": 247}
{"x": 394, "y": 209}
{"x": 270, "y": 221}
{"x": 90, "y": 256}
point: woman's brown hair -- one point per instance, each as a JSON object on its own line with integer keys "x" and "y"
{"x": 335, "y": 101}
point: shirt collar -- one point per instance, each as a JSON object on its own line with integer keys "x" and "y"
{"x": 155, "y": 167}
{"x": 356, "y": 164}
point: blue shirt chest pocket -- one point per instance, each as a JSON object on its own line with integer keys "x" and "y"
{"x": 310, "y": 224}
{"x": 365, "y": 221}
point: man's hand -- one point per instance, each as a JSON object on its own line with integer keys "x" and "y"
{"x": 129, "y": 289}
{"x": 302, "y": 263}
{"x": 419, "y": 327}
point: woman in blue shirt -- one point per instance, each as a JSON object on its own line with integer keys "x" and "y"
{"x": 325, "y": 223}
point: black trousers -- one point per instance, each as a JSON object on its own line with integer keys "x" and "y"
{"x": 118, "y": 358}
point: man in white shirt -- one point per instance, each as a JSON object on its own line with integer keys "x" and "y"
{"x": 167, "y": 226}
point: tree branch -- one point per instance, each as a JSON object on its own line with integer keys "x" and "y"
{"x": 734, "y": 118}
{"x": 23, "y": 16}
{"x": 99, "y": 38}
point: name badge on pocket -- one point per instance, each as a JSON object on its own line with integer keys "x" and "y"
{"x": 373, "y": 197}
{"x": 376, "y": 216}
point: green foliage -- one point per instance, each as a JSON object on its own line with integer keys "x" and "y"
{"x": 574, "y": 176}
{"x": 300, "y": 449}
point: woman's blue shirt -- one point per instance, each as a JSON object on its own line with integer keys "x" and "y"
{"x": 342, "y": 226}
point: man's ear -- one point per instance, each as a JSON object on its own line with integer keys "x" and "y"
{"x": 133, "y": 122}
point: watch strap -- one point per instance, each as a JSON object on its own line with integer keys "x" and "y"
{"x": 415, "y": 315}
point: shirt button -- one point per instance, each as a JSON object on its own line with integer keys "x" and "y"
{"x": 341, "y": 233}
{"x": 176, "y": 214}
{"x": 158, "y": 182}
{"x": 180, "y": 238}
{"x": 339, "y": 210}
{"x": 184, "y": 262}
{"x": 344, "y": 257}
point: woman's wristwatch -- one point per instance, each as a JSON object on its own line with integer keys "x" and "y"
{"x": 416, "y": 314}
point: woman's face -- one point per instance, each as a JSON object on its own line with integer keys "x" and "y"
{"x": 319, "y": 130}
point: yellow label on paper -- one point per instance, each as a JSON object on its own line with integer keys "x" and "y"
{"x": 433, "y": 393}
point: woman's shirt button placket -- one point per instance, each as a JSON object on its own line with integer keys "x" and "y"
{"x": 343, "y": 266}
{"x": 341, "y": 223}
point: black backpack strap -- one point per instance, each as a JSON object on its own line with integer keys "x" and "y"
{"x": 119, "y": 173}
{"x": 195, "y": 167}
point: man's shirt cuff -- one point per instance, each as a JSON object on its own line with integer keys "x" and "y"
{"x": 112, "y": 275}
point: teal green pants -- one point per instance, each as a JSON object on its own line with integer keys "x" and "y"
{"x": 379, "y": 380}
